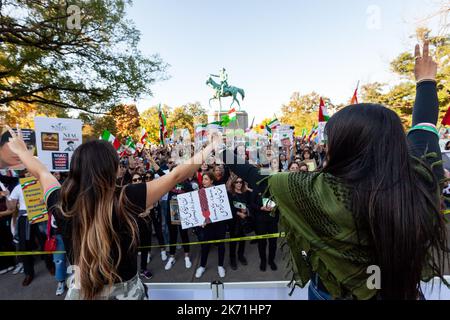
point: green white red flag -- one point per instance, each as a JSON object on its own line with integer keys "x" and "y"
{"x": 107, "y": 136}
{"x": 323, "y": 112}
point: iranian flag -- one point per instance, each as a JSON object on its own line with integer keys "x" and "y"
{"x": 214, "y": 125}
{"x": 275, "y": 123}
{"x": 122, "y": 152}
{"x": 355, "y": 95}
{"x": 144, "y": 136}
{"x": 313, "y": 133}
{"x": 272, "y": 125}
{"x": 229, "y": 118}
{"x": 131, "y": 146}
{"x": 303, "y": 133}
{"x": 200, "y": 128}
{"x": 162, "y": 126}
{"x": 323, "y": 113}
{"x": 107, "y": 136}
{"x": 232, "y": 115}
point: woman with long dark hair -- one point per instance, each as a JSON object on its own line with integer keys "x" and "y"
{"x": 240, "y": 207}
{"x": 212, "y": 231}
{"x": 97, "y": 219}
{"x": 376, "y": 203}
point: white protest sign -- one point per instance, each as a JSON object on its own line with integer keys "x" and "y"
{"x": 56, "y": 140}
{"x": 284, "y": 135}
{"x": 321, "y": 130}
{"x": 204, "y": 206}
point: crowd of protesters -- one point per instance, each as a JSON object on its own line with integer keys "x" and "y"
{"x": 375, "y": 200}
{"x": 250, "y": 215}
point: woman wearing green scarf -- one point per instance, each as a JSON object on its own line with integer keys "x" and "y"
{"x": 376, "y": 205}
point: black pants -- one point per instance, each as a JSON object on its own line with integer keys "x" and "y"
{"x": 6, "y": 243}
{"x": 266, "y": 225}
{"x": 145, "y": 240}
{"x": 36, "y": 241}
{"x": 236, "y": 231}
{"x": 157, "y": 226}
{"x": 173, "y": 236}
{"x": 214, "y": 231}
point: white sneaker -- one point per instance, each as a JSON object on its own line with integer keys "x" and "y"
{"x": 4, "y": 271}
{"x": 221, "y": 271}
{"x": 18, "y": 269}
{"x": 187, "y": 262}
{"x": 60, "y": 289}
{"x": 200, "y": 271}
{"x": 163, "y": 255}
{"x": 170, "y": 263}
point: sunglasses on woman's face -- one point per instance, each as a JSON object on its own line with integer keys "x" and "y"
{"x": 137, "y": 179}
{"x": 148, "y": 178}
{"x": 240, "y": 182}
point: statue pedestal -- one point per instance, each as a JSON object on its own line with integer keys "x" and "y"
{"x": 240, "y": 123}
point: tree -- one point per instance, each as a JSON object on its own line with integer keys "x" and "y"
{"x": 400, "y": 97}
{"x": 182, "y": 117}
{"x": 150, "y": 121}
{"x": 100, "y": 124}
{"x": 186, "y": 116}
{"x": 23, "y": 114}
{"x": 126, "y": 118}
{"x": 302, "y": 110}
{"x": 48, "y": 59}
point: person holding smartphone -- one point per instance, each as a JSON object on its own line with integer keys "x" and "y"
{"x": 266, "y": 222}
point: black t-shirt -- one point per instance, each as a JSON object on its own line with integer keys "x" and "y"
{"x": 240, "y": 201}
{"x": 136, "y": 194}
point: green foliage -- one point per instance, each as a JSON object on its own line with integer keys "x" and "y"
{"x": 302, "y": 111}
{"x": 186, "y": 116}
{"x": 182, "y": 117}
{"x": 150, "y": 121}
{"x": 126, "y": 118}
{"x": 400, "y": 97}
{"x": 46, "y": 63}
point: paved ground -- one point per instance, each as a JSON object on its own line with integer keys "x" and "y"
{"x": 43, "y": 286}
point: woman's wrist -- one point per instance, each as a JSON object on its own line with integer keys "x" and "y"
{"x": 426, "y": 80}
{"x": 24, "y": 154}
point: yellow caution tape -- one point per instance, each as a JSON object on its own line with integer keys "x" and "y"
{"x": 264, "y": 236}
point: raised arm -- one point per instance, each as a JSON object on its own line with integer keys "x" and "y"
{"x": 34, "y": 166}
{"x": 157, "y": 188}
{"x": 244, "y": 170}
{"x": 424, "y": 138}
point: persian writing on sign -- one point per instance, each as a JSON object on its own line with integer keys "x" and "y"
{"x": 197, "y": 210}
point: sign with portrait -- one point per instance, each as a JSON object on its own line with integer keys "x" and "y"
{"x": 56, "y": 140}
{"x": 174, "y": 212}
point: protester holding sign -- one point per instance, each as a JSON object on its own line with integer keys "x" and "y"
{"x": 212, "y": 231}
{"x": 376, "y": 203}
{"x": 98, "y": 221}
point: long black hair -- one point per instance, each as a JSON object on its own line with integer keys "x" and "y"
{"x": 90, "y": 199}
{"x": 396, "y": 208}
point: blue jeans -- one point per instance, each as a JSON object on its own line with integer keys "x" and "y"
{"x": 60, "y": 260}
{"x": 315, "y": 293}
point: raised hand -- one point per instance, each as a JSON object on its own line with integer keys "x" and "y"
{"x": 426, "y": 67}
{"x": 16, "y": 143}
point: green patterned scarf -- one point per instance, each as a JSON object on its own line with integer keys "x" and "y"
{"x": 315, "y": 213}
